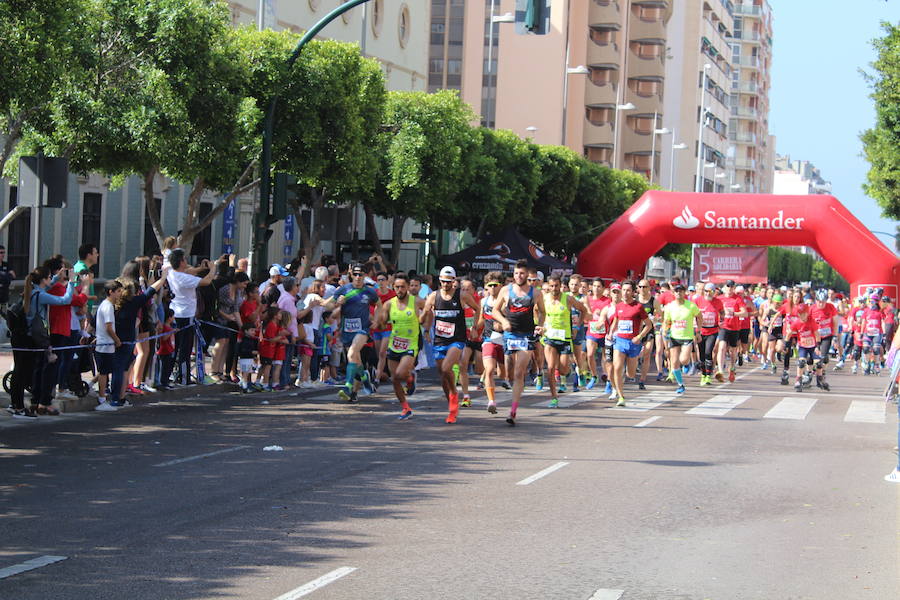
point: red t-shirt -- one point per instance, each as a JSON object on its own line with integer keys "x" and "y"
{"x": 710, "y": 313}
{"x": 630, "y": 317}
{"x": 888, "y": 315}
{"x": 248, "y": 307}
{"x": 166, "y": 343}
{"x": 596, "y": 326}
{"x": 872, "y": 318}
{"x": 266, "y": 347}
{"x": 824, "y": 318}
{"x": 280, "y": 346}
{"x": 804, "y": 330}
{"x": 731, "y": 305}
{"x": 745, "y": 321}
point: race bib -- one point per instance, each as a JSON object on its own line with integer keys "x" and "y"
{"x": 824, "y": 331}
{"x": 444, "y": 329}
{"x": 517, "y": 343}
{"x": 807, "y": 341}
{"x": 353, "y": 325}
{"x": 679, "y": 324}
{"x": 874, "y": 328}
{"x": 709, "y": 319}
{"x": 470, "y": 322}
{"x": 626, "y": 326}
{"x": 779, "y": 321}
{"x": 555, "y": 334}
{"x": 597, "y": 327}
{"x": 496, "y": 337}
{"x": 399, "y": 344}
{"x": 729, "y": 312}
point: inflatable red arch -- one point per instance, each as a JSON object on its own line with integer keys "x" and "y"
{"x": 820, "y": 222}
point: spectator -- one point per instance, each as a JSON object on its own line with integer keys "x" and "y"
{"x": 88, "y": 255}
{"x": 183, "y": 285}
{"x": 231, "y": 296}
{"x": 65, "y": 330}
{"x": 107, "y": 341}
{"x": 6, "y": 277}
{"x": 276, "y": 274}
{"x": 166, "y": 353}
{"x": 313, "y": 306}
{"x": 288, "y": 303}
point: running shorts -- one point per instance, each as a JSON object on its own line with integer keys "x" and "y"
{"x": 628, "y": 347}
{"x": 492, "y": 350}
{"x": 440, "y": 352}
{"x": 745, "y": 335}
{"x": 730, "y": 337}
{"x": 561, "y": 346}
{"x": 515, "y": 342}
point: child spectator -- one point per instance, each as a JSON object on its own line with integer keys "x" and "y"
{"x": 305, "y": 341}
{"x": 165, "y": 354}
{"x": 247, "y": 350}
{"x": 268, "y": 332}
{"x": 282, "y": 337}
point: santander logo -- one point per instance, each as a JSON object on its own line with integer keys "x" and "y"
{"x": 686, "y": 220}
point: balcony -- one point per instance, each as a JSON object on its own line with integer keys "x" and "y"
{"x": 748, "y": 10}
{"x": 604, "y": 10}
{"x": 649, "y": 19}
{"x": 748, "y": 35}
{"x": 742, "y": 137}
{"x": 745, "y": 164}
{"x": 750, "y": 62}
{"x": 746, "y": 87}
{"x": 745, "y": 112}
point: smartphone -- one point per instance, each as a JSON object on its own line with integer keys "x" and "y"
{"x": 67, "y": 273}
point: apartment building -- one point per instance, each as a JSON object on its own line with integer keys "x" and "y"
{"x": 394, "y": 32}
{"x": 753, "y": 150}
{"x": 798, "y": 178}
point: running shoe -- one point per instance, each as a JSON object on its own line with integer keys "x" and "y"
{"x": 480, "y": 385}
{"x": 641, "y": 385}
{"x": 660, "y": 376}
{"x": 450, "y": 420}
{"x": 27, "y": 413}
{"x": 784, "y": 378}
{"x": 613, "y": 395}
{"x": 621, "y": 401}
{"x": 147, "y": 388}
{"x": 554, "y": 403}
{"x": 582, "y": 380}
{"x": 740, "y": 360}
{"x": 411, "y": 384}
{"x": 505, "y": 385}
{"x": 679, "y": 390}
{"x": 704, "y": 380}
{"x": 466, "y": 401}
{"x": 343, "y": 395}
{"x": 731, "y": 375}
{"x": 511, "y": 420}
{"x": 561, "y": 387}
{"x": 492, "y": 408}
{"x": 133, "y": 390}
{"x": 798, "y": 387}
{"x": 367, "y": 388}
{"x": 591, "y": 383}
{"x": 406, "y": 414}
{"x": 692, "y": 370}
{"x": 853, "y": 369}
{"x": 774, "y": 368}
{"x": 720, "y": 377}
{"x": 608, "y": 389}
{"x": 670, "y": 377}
{"x": 825, "y": 386}
{"x": 575, "y": 387}
{"x": 539, "y": 383}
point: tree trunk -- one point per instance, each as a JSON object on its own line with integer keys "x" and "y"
{"x": 372, "y": 231}
{"x": 311, "y": 239}
{"x": 11, "y": 138}
{"x": 153, "y": 210}
{"x": 397, "y": 239}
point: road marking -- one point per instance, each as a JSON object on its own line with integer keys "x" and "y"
{"x": 865, "y": 411}
{"x": 29, "y": 565}
{"x": 646, "y": 422}
{"x": 543, "y": 473}
{"x": 791, "y": 408}
{"x": 177, "y": 461}
{"x": 605, "y": 594}
{"x": 315, "y": 584}
{"x": 718, "y": 406}
{"x": 647, "y": 402}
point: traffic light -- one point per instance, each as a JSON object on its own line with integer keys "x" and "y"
{"x": 533, "y": 16}
{"x": 284, "y": 189}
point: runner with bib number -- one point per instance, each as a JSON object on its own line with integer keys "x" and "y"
{"x": 630, "y": 326}
{"x": 557, "y": 339}
{"x": 403, "y": 312}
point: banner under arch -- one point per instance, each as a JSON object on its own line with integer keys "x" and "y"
{"x": 820, "y": 222}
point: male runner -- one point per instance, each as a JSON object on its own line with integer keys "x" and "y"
{"x": 630, "y": 316}
{"x": 492, "y": 354}
{"x": 380, "y": 336}
{"x": 608, "y": 315}
{"x": 579, "y": 333}
{"x": 403, "y": 312}
{"x": 472, "y": 353}
{"x": 354, "y": 299}
{"x": 646, "y": 299}
{"x": 557, "y": 339}
{"x": 517, "y": 309}
{"x": 596, "y": 329}
{"x": 447, "y": 307}
{"x": 679, "y": 320}
{"x": 734, "y": 310}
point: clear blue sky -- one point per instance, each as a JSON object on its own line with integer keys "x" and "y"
{"x": 819, "y": 101}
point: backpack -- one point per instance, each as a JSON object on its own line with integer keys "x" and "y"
{"x": 17, "y": 321}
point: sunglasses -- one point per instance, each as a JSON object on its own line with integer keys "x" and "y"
{"x": 532, "y": 279}
{"x": 493, "y": 285}
{"x": 643, "y": 286}
{"x": 359, "y": 274}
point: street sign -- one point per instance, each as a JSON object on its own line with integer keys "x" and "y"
{"x": 228, "y": 225}
{"x": 43, "y": 181}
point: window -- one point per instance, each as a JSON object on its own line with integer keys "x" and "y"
{"x": 91, "y": 207}
{"x": 599, "y": 115}
{"x": 436, "y": 65}
{"x": 601, "y": 75}
{"x": 151, "y": 246}
{"x": 18, "y": 247}
{"x": 202, "y": 246}
{"x": 641, "y": 124}
{"x": 645, "y": 87}
{"x": 403, "y": 26}
{"x": 377, "y": 16}
{"x": 598, "y": 154}
{"x": 603, "y": 36}
{"x": 646, "y": 49}
{"x": 648, "y": 14}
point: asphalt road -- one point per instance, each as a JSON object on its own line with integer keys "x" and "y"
{"x": 179, "y": 500}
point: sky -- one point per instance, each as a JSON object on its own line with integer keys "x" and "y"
{"x": 819, "y": 101}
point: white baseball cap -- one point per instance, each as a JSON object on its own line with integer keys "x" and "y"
{"x": 447, "y": 274}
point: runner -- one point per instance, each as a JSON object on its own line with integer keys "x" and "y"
{"x": 472, "y": 353}
{"x": 679, "y": 319}
{"x": 558, "y": 330}
{"x": 607, "y": 316}
{"x": 446, "y": 306}
{"x": 577, "y": 289}
{"x": 774, "y": 319}
{"x": 596, "y": 330}
{"x": 402, "y": 312}
{"x": 805, "y": 328}
{"x": 517, "y": 310}
{"x": 734, "y": 310}
{"x": 745, "y": 324}
{"x": 354, "y": 299}
{"x": 873, "y": 340}
{"x": 664, "y": 297}
{"x": 492, "y": 355}
{"x": 630, "y": 316}
{"x": 646, "y": 299}
{"x": 381, "y": 336}
{"x": 536, "y": 279}
{"x": 711, "y": 311}
{"x": 826, "y": 317}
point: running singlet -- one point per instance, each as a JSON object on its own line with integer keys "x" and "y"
{"x": 449, "y": 320}
{"x": 824, "y": 318}
{"x": 405, "y": 330}
{"x": 355, "y": 316}
{"x": 710, "y": 311}
{"x": 597, "y": 326}
{"x": 577, "y": 321}
{"x": 630, "y": 317}
{"x": 489, "y": 334}
{"x": 731, "y": 305}
{"x": 872, "y": 318}
{"x": 681, "y": 319}
{"x": 751, "y": 308}
{"x": 804, "y": 330}
{"x": 558, "y": 324}
{"x": 520, "y": 311}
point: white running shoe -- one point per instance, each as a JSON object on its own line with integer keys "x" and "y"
{"x": 106, "y": 406}
{"x": 614, "y": 395}
{"x": 894, "y": 476}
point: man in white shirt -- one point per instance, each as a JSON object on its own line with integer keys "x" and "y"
{"x": 107, "y": 341}
{"x": 183, "y": 286}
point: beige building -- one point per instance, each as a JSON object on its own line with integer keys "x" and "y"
{"x": 751, "y": 160}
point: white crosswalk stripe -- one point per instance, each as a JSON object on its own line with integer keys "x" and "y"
{"x": 865, "y": 411}
{"x": 718, "y": 406}
{"x": 646, "y": 402}
{"x": 791, "y": 408}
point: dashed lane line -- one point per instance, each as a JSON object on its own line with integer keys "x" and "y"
{"x": 30, "y": 565}
{"x": 177, "y": 461}
{"x": 315, "y": 584}
{"x": 544, "y": 473}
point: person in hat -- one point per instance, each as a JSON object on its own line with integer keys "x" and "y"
{"x": 354, "y": 300}
{"x": 446, "y": 307}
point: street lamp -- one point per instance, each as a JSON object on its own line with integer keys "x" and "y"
{"x": 531, "y": 129}
{"x": 678, "y": 146}
{"x": 656, "y": 132}
{"x": 619, "y": 107}
{"x": 579, "y": 70}
{"x": 703, "y": 110}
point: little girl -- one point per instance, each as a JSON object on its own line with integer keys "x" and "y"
{"x": 247, "y": 350}
{"x": 305, "y": 341}
{"x": 267, "y": 332}
{"x": 281, "y": 337}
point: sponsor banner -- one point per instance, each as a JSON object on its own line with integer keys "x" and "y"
{"x": 228, "y": 224}
{"x": 744, "y": 265}
{"x": 758, "y": 219}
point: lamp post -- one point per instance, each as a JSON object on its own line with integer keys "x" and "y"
{"x": 259, "y": 241}
{"x": 656, "y": 132}
{"x": 703, "y": 109}
{"x": 579, "y": 70}
{"x": 675, "y": 146}
{"x": 492, "y": 84}
{"x": 531, "y": 129}
{"x": 619, "y": 107}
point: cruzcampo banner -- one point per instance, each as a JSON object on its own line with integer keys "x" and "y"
{"x": 743, "y": 265}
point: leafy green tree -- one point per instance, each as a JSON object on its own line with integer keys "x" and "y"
{"x": 881, "y": 143}
{"x": 549, "y": 224}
